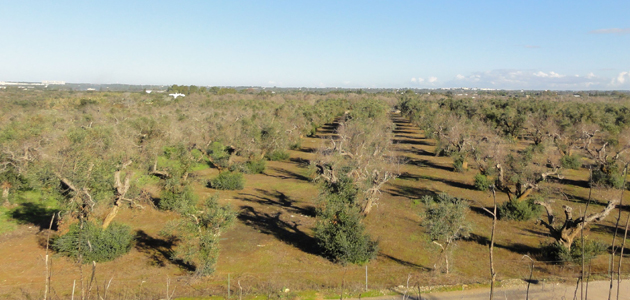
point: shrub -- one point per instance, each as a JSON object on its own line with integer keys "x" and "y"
{"x": 198, "y": 232}
{"x": 277, "y": 155}
{"x": 228, "y": 181}
{"x": 614, "y": 178}
{"x": 92, "y": 243}
{"x": 297, "y": 145}
{"x": 340, "y": 231}
{"x": 571, "y": 162}
{"x": 482, "y": 182}
{"x": 177, "y": 197}
{"x": 519, "y": 210}
{"x": 458, "y": 163}
{"x": 255, "y": 166}
{"x": 559, "y": 253}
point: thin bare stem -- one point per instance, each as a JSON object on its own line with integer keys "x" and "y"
{"x": 590, "y": 191}
{"x": 625, "y": 232}
{"x": 47, "y": 288}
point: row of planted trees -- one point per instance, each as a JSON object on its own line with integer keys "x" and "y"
{"x": 87, "y": 156}
{"x": 518, "y": 146}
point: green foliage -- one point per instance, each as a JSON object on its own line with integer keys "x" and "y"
{"x": 458, "y": 163}
{"x": 89, "y": 242}
{"x": 219, "y": 155}
{"x": 277, "y": 155}
{"x": 198, "y": 232}
{"x": 445, "y": 218}
{"x": 559, "y": 253}
{"x": 609, "y": 176}
{"x": 255, "y": 166}
{"x": 177, "y": 196}
{"x": 571, "y": 162}
{"x": 482, "y": 182}
{"x": 339, "y": 230}
{"x": 228, "y": 181}
{"x": 523, "y": 210}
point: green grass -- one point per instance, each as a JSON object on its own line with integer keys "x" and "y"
{"x": 7, "y": 224}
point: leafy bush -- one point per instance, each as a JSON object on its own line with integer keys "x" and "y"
{"x": 519, "y": 210}
{"x": 219, "y": 155}
{"x": 445, "y": 217}
{"x": 255, "y": 166}
{"x": 176, "y": 196}
{"x": 277, "y": 155}
{"x": 571, "y": 162}
{"x": 198, "y": 232}
{"x": 92, "y": 243}
{"x": 340, "y": 231}
{"x": 458, "y": 163}
{"x": 559, "y": 253}
{"x": 250, "y": 167}
{"x": 228, "y": 181}
{"x": 482, "y": 182}
{"x": 613, "y": 178}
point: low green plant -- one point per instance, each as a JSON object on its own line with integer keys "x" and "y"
{"x": 522, "y": 210}
{"x": 339, "y": 230}
{"x": 256, "y": 166}
{"x": 277, "y": 155}
{"x": 558, "y": 253}
{"x": 228, "y": 181}
{"x": 482, "y": 182}
{"x": 573, "y": 161}
{"x": 612, "y": 178}
{"x": 198, "y": 231}
{"x": 176, "y": 196}
{"x": 88, "y": 242}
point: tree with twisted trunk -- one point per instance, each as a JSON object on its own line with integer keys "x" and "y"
{"x": 571, "y": 227}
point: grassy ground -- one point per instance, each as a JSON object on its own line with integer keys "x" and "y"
{"x": 271, "y": 249}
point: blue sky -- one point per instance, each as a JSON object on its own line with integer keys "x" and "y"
{"x": 487, "y": 44}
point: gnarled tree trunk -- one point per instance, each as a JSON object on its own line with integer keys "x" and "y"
{"x": 571, "y": 227}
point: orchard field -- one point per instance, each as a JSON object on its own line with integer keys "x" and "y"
{"x": 296, "y": 194}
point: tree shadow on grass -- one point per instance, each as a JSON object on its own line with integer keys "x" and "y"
{"x": 34, "y": 213}
{"x": 159, "y": 250}
{"x": 410, "y": 142}
{"x": 457, "y": 184}
{"x": 409, "y": 192}
{"x": 481, "y": 211}
{"x": 278, "y": 199}
{"x": 404, "y": 262}
{"x": 427, "y": 163}
{"x": 514, "y": 247}
{"x": 286, "y": 174}
{"x": 300, "y": 161}
{"x": 272, "y": 224}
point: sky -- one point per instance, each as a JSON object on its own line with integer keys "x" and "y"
{"x": 556, "y": 45}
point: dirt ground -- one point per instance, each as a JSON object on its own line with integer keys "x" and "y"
{"x": 271, "y": 246}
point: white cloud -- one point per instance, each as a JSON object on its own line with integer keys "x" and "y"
{"x": 534, "y": 79}
{"x": 432, "y": 79}
{"x": 460, "y": 76}
{"x": 413, "y": 79}
{"x": 551, "y": 74}
{"x": 420, "y": 79}
{"x": 621, "y": 78}
{"x": 611, "y": 31}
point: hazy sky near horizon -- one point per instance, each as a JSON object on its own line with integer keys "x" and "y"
{"x": 486, "y": 44}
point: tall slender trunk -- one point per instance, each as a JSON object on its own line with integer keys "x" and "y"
{"x": 5, "y": 195}
{"x": 493, "y": 273}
